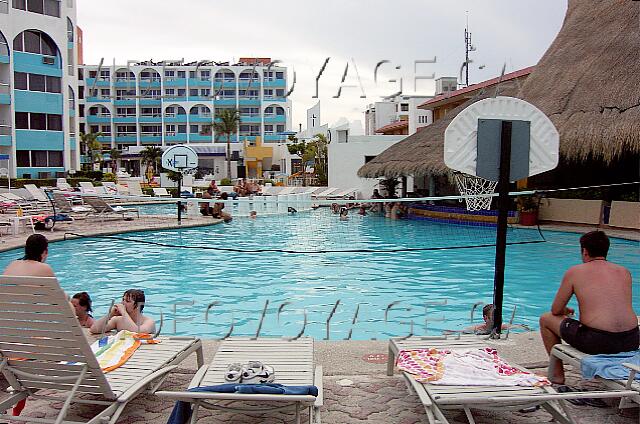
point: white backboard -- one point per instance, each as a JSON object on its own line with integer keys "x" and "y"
{"x": 179, "y": 158}
{"x": 460, "y": 137}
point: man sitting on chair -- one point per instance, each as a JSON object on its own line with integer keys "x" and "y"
{"x": 608, "y": 323}
{"x": 126, "y": 316}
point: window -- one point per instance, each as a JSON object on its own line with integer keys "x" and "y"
{"x": 182, "y": 92}
{"x": 268, "y": 92}
{"x": 52, "y": 8}
{"x": 269, "y": 110}
{"x": 205, "y": 92}
{"x": 55, "y": 158}
{"x": 23, "y": 158}
{"x": 193, "y": 129}
{"x": 94, "y": 129}
{"x": 193, "y": 92}
{"x": 20, "y": 80}
{"x": 368, "y": 159}
{"x": 404, "y": 107}
{"x": 72, "y": 99}
{"x": 39, "y": 158}
{"x": 182, "y": 74}
{"x": 169, "y": 73}
{"x": 280, "y": 92}
{"x": 81, "y": 110}
{"x": 20, "y": 4}
{"x": 69, "y": 30}
{"x": 268, "y": 128}
{"x": 22, "y": 120}
{"x": 38, "y": 121}
{"x": 280, "y": 128}
{"x": 34, "y": 42}
{"x": 35, "y": 6}
{"x": 182, "y": 129}
{"x": 54, "y": 84}
{"x": 192, "y": 74}
{"x": 54, "y": 122}
{"x": 279, "y": 75}
{"x": 4, "y": 46}
{"x": 105, "y": 92}
{"x": 279, "y": 111}
{"x": 169, "y": 91}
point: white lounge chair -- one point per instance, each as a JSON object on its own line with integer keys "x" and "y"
{"x": 37, "y": 193}
{"x": 572, "y": 356}
{"x": 63, "y": 185}
{"x": 135, "y": 189}
{"x": 437, "y": 398}
{"x": 293, "y": 364}
{"x": 42, "y": 346}
{"x": 161, "y": 192}
{"x": 104, "y": 209}
{"x": 349, "y": 193}
{"x": 86, "y": 187}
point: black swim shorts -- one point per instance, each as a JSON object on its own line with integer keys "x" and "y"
{"x": 593, "y": 341}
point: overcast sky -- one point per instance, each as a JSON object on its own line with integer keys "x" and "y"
{"x": 303, "y": 34}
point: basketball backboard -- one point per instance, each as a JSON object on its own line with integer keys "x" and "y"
{"x": 179, "y": 158}
{"x": 535, "y": 140}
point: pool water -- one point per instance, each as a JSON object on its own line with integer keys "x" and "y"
{"x": 202, "y": 290}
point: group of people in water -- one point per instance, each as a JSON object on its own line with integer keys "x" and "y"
{"x": 392, "y": 210}
{"x": 125, "y": 315}
{"x": 241, "y": 189}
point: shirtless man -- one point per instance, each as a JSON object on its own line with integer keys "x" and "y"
{"x": 608, "y": 323}
{"x": 126, "y": 316}
{"x": 32, "y": 264}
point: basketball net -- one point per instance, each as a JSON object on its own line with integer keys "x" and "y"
{"x": 470, "y": 185}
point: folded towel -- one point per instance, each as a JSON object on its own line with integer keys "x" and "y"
{"x": 609, "y": 366}
{"x": 182, "y": 410}
{"x": 468, "y": 367}
{"x": 113, "y": 351}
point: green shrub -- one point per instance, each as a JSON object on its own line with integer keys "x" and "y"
{"x": 109, "y": 176}
{"x": 226, "y": 182}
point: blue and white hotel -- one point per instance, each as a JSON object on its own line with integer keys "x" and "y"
{"x": 38, "y": 87}
{"x": 170, "y": 102}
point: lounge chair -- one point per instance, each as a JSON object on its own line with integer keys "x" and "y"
{"x": 323, "y": 194}
{"x": 37, "y": 193}
{"x": 161, "y": 192}
{"x": 87, "y": 188}
{"x": 572, "y": 356}
{"x": 62, "y": 204}
{"x": 135, "y": 189}
{"x": 349, "y": 193}
{"x": 63, "y": 185}
{"x": 293, "y": 364}
{"x": 42, "y": 346}
{"x": 103, "y": 209}
{"x": 437, "y": 398}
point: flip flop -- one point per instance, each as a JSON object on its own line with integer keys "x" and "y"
{"x": 234, "y": 372}
{"x": 567, "y": 389}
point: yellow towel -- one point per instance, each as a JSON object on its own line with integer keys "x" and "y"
{"x": 113, "y": 351}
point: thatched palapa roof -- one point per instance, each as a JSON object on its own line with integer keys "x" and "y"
{"x": 586, "y": 82}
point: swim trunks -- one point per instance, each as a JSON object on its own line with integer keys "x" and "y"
{"x": 593, "y": 341}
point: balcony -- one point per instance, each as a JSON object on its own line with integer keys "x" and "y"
{"x": 95, "y": 99}
{"x": 5, "y": 93}
{"x": 126, "y": 137}
{"x": 173, "y": 117}
{"x": 254, "y": 119}
{"x": 175, "y": 137}
{"x": 124, "y": 118}
{"x": 5, "y": 135}
{"x": 150, "y": 137}
{"x": 194, "y": 82}
{"x": 99, "y": 119}
{"x": 97, "y": 82}
{"x": 150, "y": 118}
{"x": 275, "y": 118}
{"x": 203, "y": 118}
{"x": 125, "y": 83}
{"x": 175, "y": 82}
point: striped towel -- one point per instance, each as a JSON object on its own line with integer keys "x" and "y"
{"x": 113, "y": 351}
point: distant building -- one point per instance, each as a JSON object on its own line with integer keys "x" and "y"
{"x": 38, "y": 87}
{"x": 166, "y": 103}
{"x": 397, "y": 115}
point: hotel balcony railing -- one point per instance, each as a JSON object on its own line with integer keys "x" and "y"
{"x": 151, "y": 134}
{"x": 125, "y": 116}
{"x": 249, "y": 134}
{"x": 155, "y": 115}
{"x": 202, "y": 115}
{"x": 151, "y": 79}
{"x": 5, "y": 129}
{"x": 5, "y": 88}
{"x": 219, "y": 80}
{"x": 131, "y": 79}
{"x": 126, "y": 134}
{"x": 249, "y": 115}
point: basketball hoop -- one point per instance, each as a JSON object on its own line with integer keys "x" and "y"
{"x": 473, "y": 186}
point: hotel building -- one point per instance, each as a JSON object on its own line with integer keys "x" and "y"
{"x": 38, "y": 87}
{"x": 170, "y": 102}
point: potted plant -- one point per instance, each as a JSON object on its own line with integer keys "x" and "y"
{"x": 528, "y": 210}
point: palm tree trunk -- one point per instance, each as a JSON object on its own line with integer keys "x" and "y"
{"x": 229, "y": 156}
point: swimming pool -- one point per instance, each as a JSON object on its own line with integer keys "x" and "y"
{"x": 444, "y": 283}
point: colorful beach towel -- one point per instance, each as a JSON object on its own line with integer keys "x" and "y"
{"x": 465, "y": 367}
{"x": 113, "y": 351}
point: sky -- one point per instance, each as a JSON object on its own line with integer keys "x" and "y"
{"x": 303, "y": 34}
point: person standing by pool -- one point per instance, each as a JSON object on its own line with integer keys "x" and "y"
{"x": 32, "y": 264}
{"x": 82, "y": 305}
{"x": 126, "y": 315}
{"x": 608, "y": 323}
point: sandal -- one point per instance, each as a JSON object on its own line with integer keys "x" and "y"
{"x": 234, "y": 372}
{"x": 266, "y": 375}
{"x": 251, "y": 369}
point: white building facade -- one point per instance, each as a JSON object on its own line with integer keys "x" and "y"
{"x": 38, "y": 87}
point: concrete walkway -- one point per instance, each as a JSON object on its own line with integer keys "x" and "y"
{"x": 357, "y": 390}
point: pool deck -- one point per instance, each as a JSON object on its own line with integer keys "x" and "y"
{"x": 357, "y": 391}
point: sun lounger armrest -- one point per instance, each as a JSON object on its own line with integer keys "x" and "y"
{"x": 632, "y": 373}
{"x": 318, "y": 383}
{"x": 197, "y": 378}
{"x": 134, "y": 390}
{"x": 632, "y": 367}
{"x": 189, "y": 396}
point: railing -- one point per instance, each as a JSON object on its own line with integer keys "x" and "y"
{"x": 5, "y": 129}
{"x": 219, "y": 80}
{"x": 151, "y": 134}
{"x": 126, "y": 134}
{"x": 151, "y": 79}
{"x": 151, "y": 116}
{"x": 5, "y": 88}
{"x": 203, "y": 115}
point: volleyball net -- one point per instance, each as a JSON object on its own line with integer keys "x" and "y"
{"x": 298, "y": 223}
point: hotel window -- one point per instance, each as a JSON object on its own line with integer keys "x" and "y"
{"x": 20, "y": 80}
{"x": 169, "y": 91}
{"x": 182, "y": 92}
{"x": 182, "y": 74}
{"x": 268, "y": 129}
{"x": 280, "y": 128}
{"x": 94, "y": 129}
{"x": 36, "y": 82}
{"x": 105, "y": 92}
{"x": 192, "y": 74}
{"x": 193, "y": 129}
{"x": 23, "y": 158}
{"x": 279, "y": 75}
{"x": 55, "y": 158}
{"x": 170, "y": 129}
{"x": 280, "y": 92}
{"x": 43, "y": 7}
{"x": 404, "y": 107}
{"x": 32, "y": 41}
{"x": 38, "y": 158}
{"x": 268, "y": 92}
{"x": 169, "y": 74}
{"x": 205, "y": 75}
{"x": 182, "y": 129}
{"x": 193, "y": 92}
{"x": 205, "y": 92}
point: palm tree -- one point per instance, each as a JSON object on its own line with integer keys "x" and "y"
{"x": 228, "y": 125}
{"x": 115, "y": 155}
{"x": 92, "y": 146}
{"x": 151, "y": 156}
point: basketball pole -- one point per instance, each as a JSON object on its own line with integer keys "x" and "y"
{"x": 501, "y": 233}
{"x": 179, "y": 197}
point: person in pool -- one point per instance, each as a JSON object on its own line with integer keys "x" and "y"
{"x": 81, "y": 303}
{"x": 126, "y": 315}
{"x": 32, "y": 264}
{"x": 608, "y": 324}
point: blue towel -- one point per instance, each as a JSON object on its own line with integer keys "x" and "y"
{"x": 610, "y": 366}
{"x": 182, "y": 410}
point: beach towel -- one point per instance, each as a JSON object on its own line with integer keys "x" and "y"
{"x": 465, "y": 367}
{"x": 609, "y": 366}
{"x": 182, "y": 410}
{"x": 114, "y": 350}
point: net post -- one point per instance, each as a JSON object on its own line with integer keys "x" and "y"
{"x": 501, "y": 234}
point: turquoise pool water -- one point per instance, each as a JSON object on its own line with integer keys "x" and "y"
{"x": 443, "y": 283}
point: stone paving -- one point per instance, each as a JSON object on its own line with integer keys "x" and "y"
{"x": 356, "y": 392}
